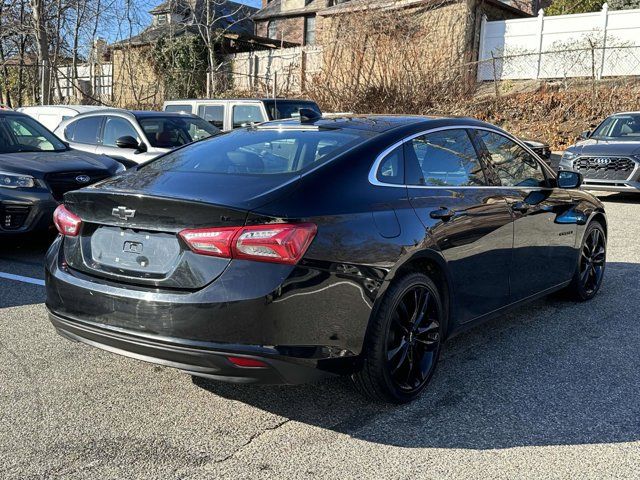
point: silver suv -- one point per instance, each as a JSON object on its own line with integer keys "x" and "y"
{"x": 133, "y": 137}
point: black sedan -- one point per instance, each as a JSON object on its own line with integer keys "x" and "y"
{"x": 608, "y": 157}
{"x": 303, "y": 248}
{"x": 36, "y": 169}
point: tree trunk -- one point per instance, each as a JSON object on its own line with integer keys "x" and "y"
{"x": 42, "y": 42}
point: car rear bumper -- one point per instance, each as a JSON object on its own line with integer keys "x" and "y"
{"x": 205, "y": 360}
{"x": 304, "y": 323}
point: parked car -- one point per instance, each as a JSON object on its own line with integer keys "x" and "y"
{"x": 609, "y": 156}
{"x": 541, "y": 149}
{"x": 133, "y": 137}
{"x": 36, "y": 169}
{"x": 53, "y": 115}
{"x": 228, "y": 114}
{"x": 296, "y": 249}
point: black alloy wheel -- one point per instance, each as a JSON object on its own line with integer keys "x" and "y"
{"x": 404, "y": 342}
{"x": 591, "y": 263}
{"x": 413, "y": 338}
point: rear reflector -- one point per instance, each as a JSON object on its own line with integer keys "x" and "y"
{"x": 277, "y": 242}
{"x": 66, "y": 222}
{"x": 247, "y": 362}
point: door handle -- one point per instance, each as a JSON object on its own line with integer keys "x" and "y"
{"x": 521, "y": 207}
{"x": 443, "y": 213}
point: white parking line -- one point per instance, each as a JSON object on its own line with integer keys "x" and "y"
{"x": 20, "y": 278}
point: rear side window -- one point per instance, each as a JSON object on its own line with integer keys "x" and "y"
{"x": 244, "y": 115}
{"x": 260, "y": 152}
{"x": 214, "y": 114}
{"x": 114, "y": 128}
{"x": 513, "y": 164}
{"x": 443, "y": 158}
{"x": 178, "y": 108}
{"x": 391, "y": 168}
{"x": 85, "y": 130}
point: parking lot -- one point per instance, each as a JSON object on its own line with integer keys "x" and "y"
{"x": 550, "y": 390}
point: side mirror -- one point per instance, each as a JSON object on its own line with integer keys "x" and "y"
{"x": 585, "y": 135}
{"x": 128, "y": 142}
{"x": 569, "y": 179}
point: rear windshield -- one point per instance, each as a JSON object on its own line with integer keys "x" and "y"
{"x": 260, "y": 151}
{"x": 172, "y": 132}
{"x": 281, "y": 109}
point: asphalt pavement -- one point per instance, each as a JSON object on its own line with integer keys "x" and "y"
{"x": 550, "y": 390}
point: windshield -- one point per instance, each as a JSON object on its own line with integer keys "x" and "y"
{"x": 620, "y": 127}
{"x": 281, "y": 109}
{"x": 260, "y": 151}
{"x": 23, "y": 134}
{"x": 174, "y": 131}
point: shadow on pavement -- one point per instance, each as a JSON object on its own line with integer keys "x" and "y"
{"x": 554, "y": 372}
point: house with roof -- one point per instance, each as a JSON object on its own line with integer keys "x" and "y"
{"x": 300, "y": 21}
{"x": 228, "y": 26}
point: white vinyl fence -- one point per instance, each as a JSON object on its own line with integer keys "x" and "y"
{"x": 599, "y": 44}
{"x": 287, "y": 69}
{"x": 94, "y": 80}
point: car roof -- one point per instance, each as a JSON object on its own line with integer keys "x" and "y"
{"x": 75, "y": 108}
{"x": 263, "y": 99}
{"x": 378, "y": 123}
{"x": 135, "y": 113}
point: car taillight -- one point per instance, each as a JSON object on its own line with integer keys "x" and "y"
{"x": 66, "y": 222}
{"x": 210, "y": 241}
{"x": 277, "y": 242}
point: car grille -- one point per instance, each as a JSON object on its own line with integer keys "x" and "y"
{"x": 605, "y": 168}
{"x": 61, "y": 183}
{"x": 12, "y": 217}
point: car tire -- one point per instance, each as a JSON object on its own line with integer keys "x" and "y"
{"x": 397, "y": 347}
{"x": 591, "y": 264}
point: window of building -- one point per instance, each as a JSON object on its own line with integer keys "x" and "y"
{"x": 272, "y": 29}
{"x": 162, "y": 19}
{"x": 309, "y": 30}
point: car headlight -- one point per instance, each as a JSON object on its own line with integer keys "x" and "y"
{"x": 15, "y": 180}
{"x": 569, "y": 156}
{"x": 120, "y": 168}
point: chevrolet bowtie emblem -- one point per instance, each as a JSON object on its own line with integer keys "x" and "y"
{"x": 123, "y": 213}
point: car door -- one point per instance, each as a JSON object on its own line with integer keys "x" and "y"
{"x": 84, "y": 133}
{"x": 543, "y": 254}
{"x": 472, "y": 224}
{"x": 114, "y": 128}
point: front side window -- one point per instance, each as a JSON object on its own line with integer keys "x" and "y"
{"x": 114, "y": 128}
{"x": 23, "y": 134}
{"x": 214, "y": 114}
{"x": 172, "y": 132}
{"x": 513, "y": 164}
{"x": 85, "y": 130}
{"x": 391, "y": 168}
{"x": 244, "y": 115}
{"x": 443, "y": 158}
{"x": 260, "y": 152}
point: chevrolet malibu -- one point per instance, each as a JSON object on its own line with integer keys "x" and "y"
{"x": 289, "y": 251}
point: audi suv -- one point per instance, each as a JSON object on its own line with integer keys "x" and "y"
{"x": 608, "y": 157}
